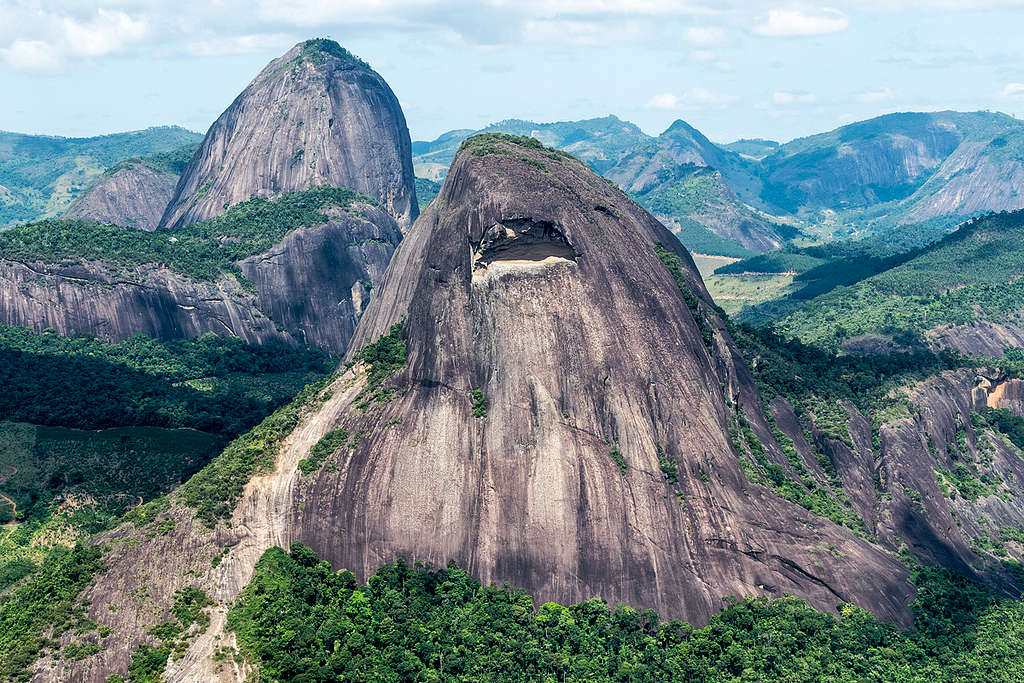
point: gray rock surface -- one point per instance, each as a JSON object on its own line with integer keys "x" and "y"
{"x": 541, "y": 289}
{"x": 314, "y": 116}
{"x": 310, "y": 289}
{"x": 134, "y": 195}
{"x": 534, "y": 281}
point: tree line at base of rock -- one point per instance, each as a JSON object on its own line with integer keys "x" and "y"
{"x": 298, "y": 620}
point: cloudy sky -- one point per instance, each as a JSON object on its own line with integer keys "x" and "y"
{"x": 733, "y": 69}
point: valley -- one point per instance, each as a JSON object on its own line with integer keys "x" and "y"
{"x": 305, "y": 399}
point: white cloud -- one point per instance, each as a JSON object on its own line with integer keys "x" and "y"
{"x": 237, "y": 45}
{"x": 663, "y": 101}
{"x": 63, "y": 37}
{"x": 1013, "y": 90}
{"x": 787, "y": 98}
{"x": 694, "y": 98}
{"x": 579, "y": 33}
{"x": 32, "y": 55}
{"x": 108, "y": 32}
{"x": 783, "y": 23}
{"x": 704, "y": 35}
{"x": 878, "y": 95}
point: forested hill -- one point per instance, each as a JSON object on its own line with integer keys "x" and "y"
{"x": 968, "y": 282}
{"x": 40, "y": 175}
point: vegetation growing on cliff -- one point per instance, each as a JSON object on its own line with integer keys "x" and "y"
{"x": 316, "y": 51}
{"x": 973, "y": 274}
{"x": 675, "y": 266}
{"x": 298, "y": 618}
{"x": 1003, "y": 421}
{"x": 35, "y": 613}
{"x": 384, "y": 356}
{"x": 215, "y": 490}
{"x": 502, "y": 143}
{"x": 328, "y": 444}
{"x": 175, "y": 635}
{"x": 203, "y": 250}
{"x": 172, "y": 162}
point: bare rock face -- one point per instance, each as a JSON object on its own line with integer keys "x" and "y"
{"x": 535, "y": 283}
{"x": 316, "y": 283}
{"x": 980, "y": 338}
{"x": 950, "y": 481}
{"x": 114, "y": 305}
{"x": 133, "y": 195}
{"x": 315, "y": 116}
{"x": 310, "y": 289}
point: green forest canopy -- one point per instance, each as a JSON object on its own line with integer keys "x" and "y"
{"x": 972, "y": 274}
{"x": 203, "y": 250}
{"x": 301, "y": 621}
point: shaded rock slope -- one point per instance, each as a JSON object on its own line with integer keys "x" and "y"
{"x": 315, "y": 116}
{"x": 310, "y": 288}
{"x": 560, "y": 420}
{"x": 134, "y": 192}
{"x": 533, "y": 282}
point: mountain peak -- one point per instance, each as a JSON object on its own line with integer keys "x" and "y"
{"x": 680, "y": 127}
{"x": 483, "y": 144}
{"x": 335, "y": 122}
{"x": 318, "y": 50}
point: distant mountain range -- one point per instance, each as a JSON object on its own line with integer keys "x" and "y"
{"x": 929, "y": 171}
{"x": 866, "y": 178}
{"x": 40, "y": 175}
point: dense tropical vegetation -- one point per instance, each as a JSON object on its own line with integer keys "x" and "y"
{"x": 426, "y": 190}
{"x": 972, "y": 274}
{"x": 90, "y": 429}
{"x": 203, "y": 250}
{"x": 214, "y": 383}
{"x": 299, "y": 620}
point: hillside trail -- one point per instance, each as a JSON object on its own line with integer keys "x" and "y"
{"x": 14, "y": 509}
{"x": 4, "y": 497}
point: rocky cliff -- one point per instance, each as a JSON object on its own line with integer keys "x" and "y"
{"x": 561, "y": 421}
{"x": 561, "y": 486}
{"x": 310, "y": 288}
{"x": 134, "y": 194}
{"x": 314, "y": 116}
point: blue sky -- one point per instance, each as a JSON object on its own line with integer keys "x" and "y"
{"x": 732, "y": 69}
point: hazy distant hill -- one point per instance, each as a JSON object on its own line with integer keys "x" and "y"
{"x": 40, "y": 175}
{"x": 661, "y": 173}
{"x": 908, "y": 176}
{"x": 899, "y": 169}
{"x": 133, "y": 192}
{"x": 755, "y": 148}
{"x": 965, "y": 292}
{"x": 600, "y": 142}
